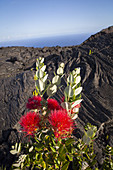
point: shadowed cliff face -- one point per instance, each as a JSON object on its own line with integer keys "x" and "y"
{"x": 17, "y": 84}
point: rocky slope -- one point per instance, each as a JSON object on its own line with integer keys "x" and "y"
{"x": 17, "y": 69}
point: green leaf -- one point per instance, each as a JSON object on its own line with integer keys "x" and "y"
{"x": 70, "y": 79}
{"x": 16, "y": 164}
{"x": 53, "y": 149}
{"x": 31, "y": 149}
{"x": 61, "y": 157}
{"x": 43, "y": 68}
{"x": 76, "y": 103}
{"x": 13, "y": 147}
{"x": 74, "y": 73}
{"x": 66, "y": 105}
{"x": 74, "y": 116}
{"x": 90, "y": 133}
{"x": 90, "y": 52}
{"x": 19, "y": 147}
{"x": 41, "y": 85}
{"x": 53, "y": 140}
{"x": 39, "y": 73}
{"x": 39, "y": 147}
{"x": 22, "y": 165}
{"x": 78, "y": 91}
{"x": 13, "y": 152}
{"x": 41, "y": 60}
{"x": 62, "y": 150}
{"x": 56, "y": 80}
{"x": 62, "y": 65}
{"x": 60, "y": 71}
{"x": 94, "y": 128}
{"x": 37, "y": 63}
{"x": 45, "y": 78}
{"x": 65, "y": 165}
{"x": 44, "y": 164}
{"x": 69, "y": 141}
{"x": 77, "y": 81}
{"x": 84, "y": 165}
{"x": 86, "y": 140}
{"x": 69, "y": 91}
{"x": 70, "y": 157}
{"x": 16, "y": 145}
{"x": 77, "y": 70}
{"x": 51, "y": 89}
{"x": 93, "y": 162}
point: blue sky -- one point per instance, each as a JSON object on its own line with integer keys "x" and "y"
{"x": 22, "y": 19}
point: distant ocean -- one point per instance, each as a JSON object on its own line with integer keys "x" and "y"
{"x": 64, "y": 40}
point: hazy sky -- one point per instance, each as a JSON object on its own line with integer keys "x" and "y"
{"x": 20, "y": 19}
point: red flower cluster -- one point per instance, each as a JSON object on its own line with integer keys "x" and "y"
{"x": 52, "y": 104}
{"x": 62, "y": 124}
{"x": 34, "y": 102}
{"x": 30, "y": 123}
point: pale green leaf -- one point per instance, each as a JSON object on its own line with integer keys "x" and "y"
{"x": 41, "y": 85}
{"x": 31, "y": 149}
{"x": 19, "y": 147}
{"x": 70, "y": 79}
{"x": 16, "y": 164}
{"x": 86, "y": 140}
{"x": 13, "y": 147}
{"x": 84, "y": 165}
{"x": 77, "y": 70}
{"x": 16, "y": 145}
{"x": 75, "y": 110}
{"x": 74, "y": 73}
{"x": 76, "y": 103}
{"x": 75, "y": 116}
{"x": 13, "y": 152}
{"x": 39, "y": 73}
{"x": 78, "y": 91}
{"x": 66, "y": 105}
{"x": 90, "y": 133}
{"x": 60, "y": 71}
{"x": 43, "y": 68}
{"x": 56, "y": 80}
{"x": 41, "y": 60}
{"x": 37, "y": 63}
{"x": 45, "y": 78}
{"x": 68, "y": 91}
{"x": 62, "y": 65}
{"x": 77, "y": 81}
{"x": 51, "y": 89}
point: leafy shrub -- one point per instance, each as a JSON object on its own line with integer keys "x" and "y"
{"x": 49, "y": 127}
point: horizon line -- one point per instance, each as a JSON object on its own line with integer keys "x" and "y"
{"x": 46, "y": 36}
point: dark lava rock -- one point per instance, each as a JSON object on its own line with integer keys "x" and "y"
{"x": 17, "y": 69}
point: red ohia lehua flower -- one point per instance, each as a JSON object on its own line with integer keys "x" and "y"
{"x": 61, "y": 123}
{"x": 34, "y": 102}
{"x": 30, "y": 123}
{"x": 52, "y": 104}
